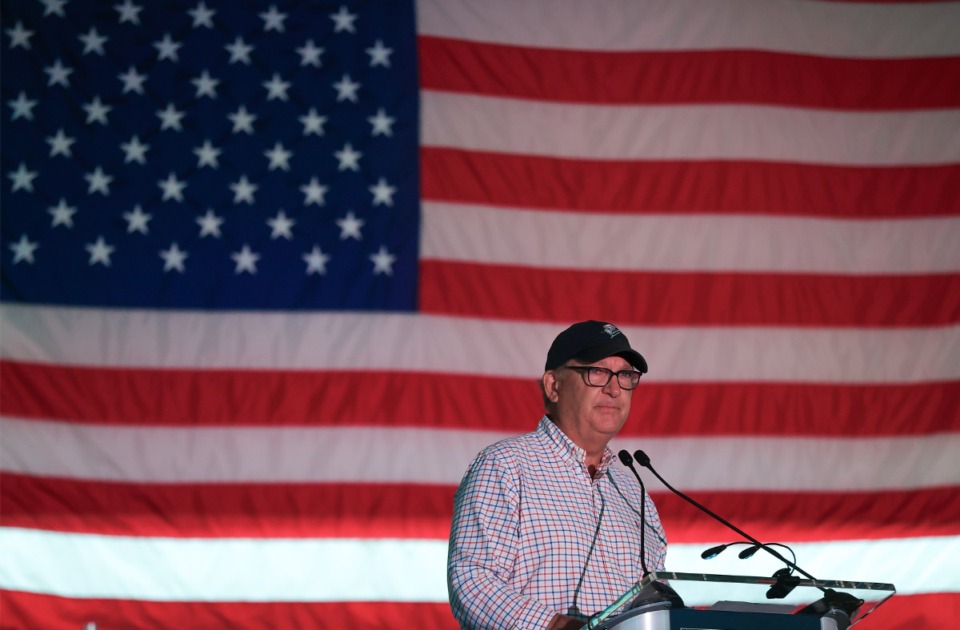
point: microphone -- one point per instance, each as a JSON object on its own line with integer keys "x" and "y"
{"x": 627, "y": 461}
{"x": 713, "y": 552}
{"x": 644, "y": 460}
{"x": 836, "y": 604}
{"x": 751, "y": 549}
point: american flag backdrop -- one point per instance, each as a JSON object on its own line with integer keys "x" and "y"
{"x": 273, "y": 272}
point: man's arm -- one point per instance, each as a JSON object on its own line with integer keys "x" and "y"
{"x": 483, "y": 548}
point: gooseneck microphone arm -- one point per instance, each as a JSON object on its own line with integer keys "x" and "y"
{"x": 644, "y": 460}
{"x": 628, "y": 462}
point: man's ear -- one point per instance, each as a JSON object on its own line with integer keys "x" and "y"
{"x": 551, "y": 385}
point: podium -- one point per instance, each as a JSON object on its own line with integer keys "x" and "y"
{"x": 695, "y": 601}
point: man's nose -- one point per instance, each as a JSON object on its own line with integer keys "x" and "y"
{"x": 612, "y": 388}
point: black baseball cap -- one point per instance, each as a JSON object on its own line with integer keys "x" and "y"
{"x": 591, "y": 341}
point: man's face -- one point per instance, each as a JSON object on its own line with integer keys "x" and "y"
{"x": 587, "y": 414}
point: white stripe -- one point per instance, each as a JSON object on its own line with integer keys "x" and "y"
{"x": 689, "y": 132}
{"x": 378, "y": 455}
{"x": 595, "y": 241}
{"x": 161, "y": 569}
{"x": 819, "y": 28}
{"x": 419, "y": 343}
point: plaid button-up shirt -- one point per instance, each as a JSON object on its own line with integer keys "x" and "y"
{"x": 533, "y": 535}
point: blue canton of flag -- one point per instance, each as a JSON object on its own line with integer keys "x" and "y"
{"x": 210, "y": 154}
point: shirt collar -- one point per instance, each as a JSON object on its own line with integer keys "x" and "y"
{"x": 566, "y": 448}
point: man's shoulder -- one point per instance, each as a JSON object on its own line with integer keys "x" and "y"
{"x": 514, "y": 451}
{"x": 514, "y": 445}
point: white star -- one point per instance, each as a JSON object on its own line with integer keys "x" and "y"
{"x": 206, "y": 85}
{"x": 350, "y": 227}
{"x": 381, "y": 123}
{"x": 202, "y": 16}
{"x": 273, "y": 19}
{"x": 62, "y": 214}
{"x": 313, "y": 192}
{"x": 19, "y": 36}
{"x": 246, "y": 260}
{"x": 383, "y": 192}
{"x": 22, "y": 106}
{"x": 129, "y": 12}
{"x": 53, "y": 7}
{"x": 379, "y": 55}
{"x": 383, "y": 262}
{"x": 349, "y": 158}
{"x": 97, "y": 111}
{"x": 207, "y": 155}
{"x": 346, "y": 89}
{"x": 132, "y": 80}
{"x": 60, "y": 144}
{"x": 172, "y": 187}
{"x": 100, "y": 252}
{"x": 173, "y": 258}
{"x": 98, "y": 182}
{"x": 243, "y": 190}
{"x": 23, "y": 249}
{"x": 170, "y": 118}
{"x": 343, "y": 20}
{"x": 137, "y": 220}
{"x": 135, "y": 151}
{"x": 310, "y": 54}
{"x": 93, "y": 42}
{"x": 280, "y": 225}
{"x": 316, "y": 261}
{"x": 58, "y": 74}
{"x": 279, "y": 157}
{"x": 276, "y": 88}
{"x": 210, "y": 224}
{"x": 167, "y": 48}
{"x": 312, "y": 123}
{"x": 22, "y": 178}
{"x": 239, "y": 51}
{"x": 242, "y": 120}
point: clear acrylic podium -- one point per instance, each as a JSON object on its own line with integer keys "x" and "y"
{"x": 696, "y": 601}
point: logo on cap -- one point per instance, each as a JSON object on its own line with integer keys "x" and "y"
{"x": 611, "y": 330}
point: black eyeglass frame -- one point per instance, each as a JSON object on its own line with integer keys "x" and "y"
{"x": 628, "y": 375}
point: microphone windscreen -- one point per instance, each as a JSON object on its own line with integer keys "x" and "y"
{"x": 712, "y": 552}
{"x": 642, "y": 458}
{"x": 625, "y": 457}
{"x": 748, "y": 552}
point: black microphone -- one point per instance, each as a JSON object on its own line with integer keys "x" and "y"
{"x": 713, "y": 552}
{"x": 748, "y": 552}
{"x": 628, "y": 462}
{"x": 644, "y": 461}
{"x": 751, "y": 549}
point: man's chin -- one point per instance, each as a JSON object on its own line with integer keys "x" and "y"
{"x": 610, "y": 421}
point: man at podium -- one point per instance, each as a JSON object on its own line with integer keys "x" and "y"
{"x": 546, "y": 528}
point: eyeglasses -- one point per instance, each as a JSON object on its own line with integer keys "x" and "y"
{"x": 599, "y": 377}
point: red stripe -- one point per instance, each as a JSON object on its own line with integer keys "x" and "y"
{"x": 419, "y": 511}
{"x": 932, "y": 610}
{"x": 32, "y": 610}
{"x": 683, "y": 77}
{"x": 227, "y": 510}
{"x": 710, "y": 187}
{"x": 689, "y": 299}
{"x": 265, "y": 398}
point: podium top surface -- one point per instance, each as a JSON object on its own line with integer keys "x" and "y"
{"x": 787, "y": 595}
